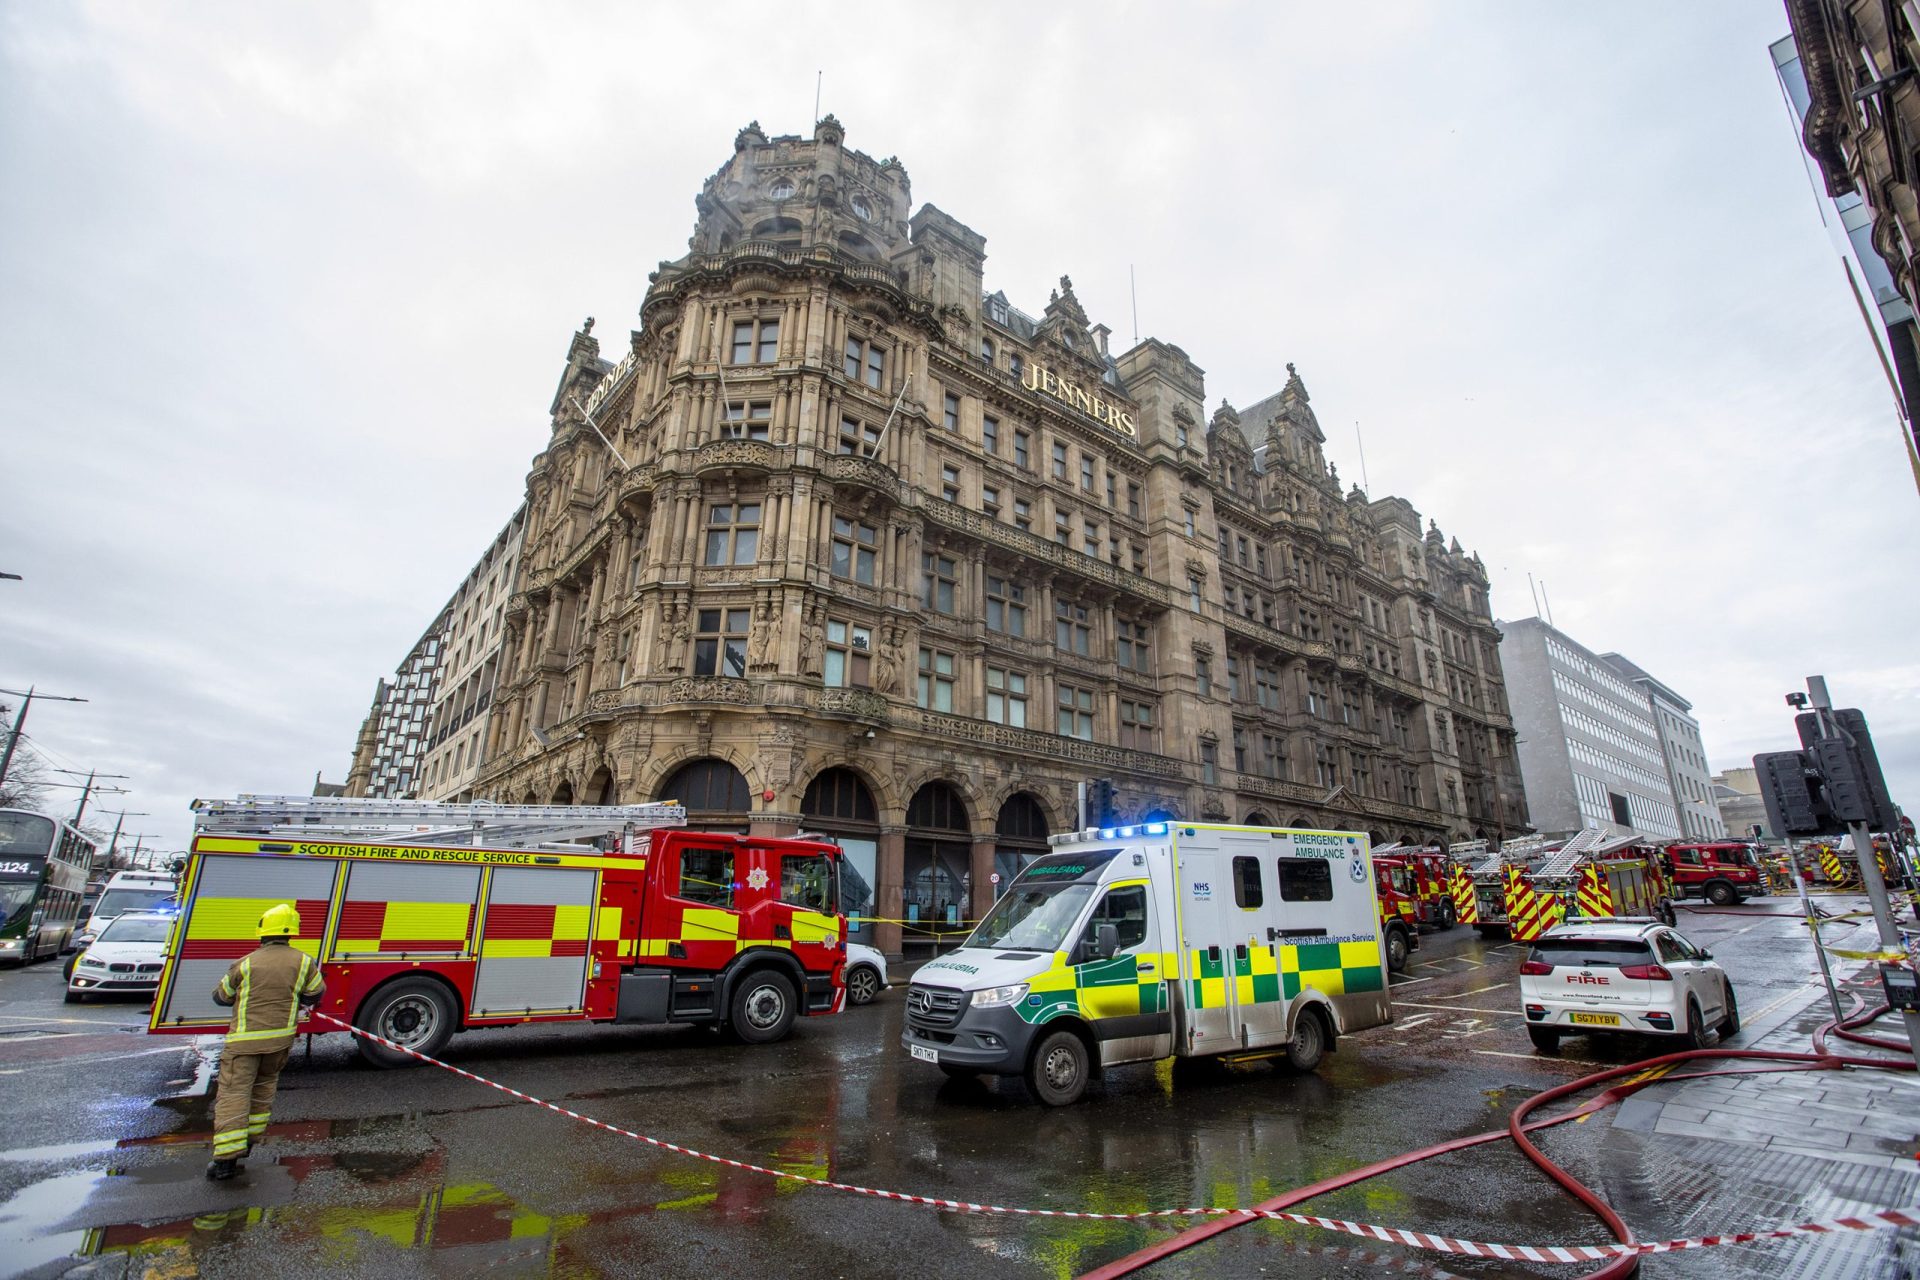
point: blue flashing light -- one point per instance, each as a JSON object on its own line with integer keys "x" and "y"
{"x": 1155, "y": 828}
{"x": 1109, "y": 833}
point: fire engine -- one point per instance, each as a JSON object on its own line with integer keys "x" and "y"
{"x": 1723, "y": 871}
{"x": 1429, "y": 883}
{"x": 1398, "y": 910}
{"x": 434, "y": 918}
{"x": 1530, "y": 886}
{"x": 1167, "y": 940}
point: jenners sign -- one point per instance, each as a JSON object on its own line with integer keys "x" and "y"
{"x": 1037, "y": 377}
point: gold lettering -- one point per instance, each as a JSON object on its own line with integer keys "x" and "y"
{"x": 1048, "y": 383}
{"x": 1030, "y": 377}
{"x": 1037, "y": 377}
{"x": 1081, "y": 400}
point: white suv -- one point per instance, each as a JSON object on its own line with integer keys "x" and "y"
{"x": 1635, "y": 976}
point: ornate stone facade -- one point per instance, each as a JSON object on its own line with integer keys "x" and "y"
{"x": 874, "y": 553}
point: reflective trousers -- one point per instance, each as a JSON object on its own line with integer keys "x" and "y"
{"x": 244, "y": 1099}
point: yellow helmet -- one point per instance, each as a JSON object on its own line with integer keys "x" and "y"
{"x": 280, "y": 921}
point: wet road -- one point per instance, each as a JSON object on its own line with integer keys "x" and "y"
{"x": 419, "y": 1172}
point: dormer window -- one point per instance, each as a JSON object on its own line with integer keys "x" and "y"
{"x": 997, "y": 310}
{"x": 781, "y": 190}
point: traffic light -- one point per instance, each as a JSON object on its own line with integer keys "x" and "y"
{"x": 1100, "y": 801}
{"x": 1849, "y": 766}
{"x": 1794, "y": 795}
{"x": 1854, "y": 725}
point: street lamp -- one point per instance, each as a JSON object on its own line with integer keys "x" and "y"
{"x": 13, "y": 739}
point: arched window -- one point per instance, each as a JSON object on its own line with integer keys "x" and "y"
{"x": 839, "y": 806}
{"x": 937, "y": 884}
{"x": 562, "y": 794}
{"x": 986, "y": 350}
{"x": 1257, "y": 819}
{"x": 708, "y": 786}
{"x": 1020, "y": 836}
{"x": 839, "y": 793}
{"x": 600, "y": 788}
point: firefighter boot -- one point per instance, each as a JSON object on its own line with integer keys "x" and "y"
{"x": 221, "y": 1170}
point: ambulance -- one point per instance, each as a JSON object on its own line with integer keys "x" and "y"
{"x": 1164, "y": 940}
{"x": 429, "y": 919}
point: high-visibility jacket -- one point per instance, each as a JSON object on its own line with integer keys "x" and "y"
{"x": 266, "y": 990}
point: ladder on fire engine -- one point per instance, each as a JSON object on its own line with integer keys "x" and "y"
{"x": 414, "y": 822}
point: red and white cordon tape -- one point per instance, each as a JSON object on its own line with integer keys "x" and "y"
{"x": 1908, "y": 1217}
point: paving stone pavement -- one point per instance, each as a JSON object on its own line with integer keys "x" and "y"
{"x": 1732, "y": 1154}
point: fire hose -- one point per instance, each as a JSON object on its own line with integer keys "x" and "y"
{"x": 1519, "y": 1128}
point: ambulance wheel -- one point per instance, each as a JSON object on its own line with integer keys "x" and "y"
{"x": 415, "y": 1012}
{"x": 1544, "y": 1040}
{"x": 1058, "y": 1073}
{"x": 1721, "y": 894}
{"x": 761, "y": 1010}
{"x": 1396, "y": 951}
{"x": 1309, "y": 1043}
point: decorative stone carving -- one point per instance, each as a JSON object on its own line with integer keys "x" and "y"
{"x": 710, "y": 689}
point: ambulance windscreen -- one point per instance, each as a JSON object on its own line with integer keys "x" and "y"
{"x": 1039, "y": 911}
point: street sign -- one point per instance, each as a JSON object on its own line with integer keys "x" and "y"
{"x": 994, "y": 878}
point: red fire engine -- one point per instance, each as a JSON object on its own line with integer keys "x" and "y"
{"x": 1722, "y": 871}
{"x": 429, "y": 919}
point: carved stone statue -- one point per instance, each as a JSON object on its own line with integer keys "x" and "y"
{"x": 886, "y": 668}
{"x": 813, "y": 639}
{"x": 760, "y": 641}
{"x": 679, "y": 631}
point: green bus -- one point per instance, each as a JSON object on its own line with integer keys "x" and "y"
{"x": 44, "y": 864}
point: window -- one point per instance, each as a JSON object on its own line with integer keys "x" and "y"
{"x": 1059, "y": 462}
{"x": 1072, "y": 628}
{"x": 1234, "y": 691}
{"x": 854, "y": 546}
{"x": 865, "y": 362}
{"x": 936, "y": 680}
{"x": 950, "y": 411}
{"x": 1349, "y": 707}
{"x": 950, "y": 483}
{"x": 720, "y": 644}
{"x": 733, "y": 533}
{"x": 1203, "y": 677}
{"x": 1136, "y": 726}
{"x": 1273, "y": 755}
{"x": 1362, "y": 774}
{"x": 1133, "y": 646}
{"x": 1015, "y": 364}
{"x": 990, "y": 501}
{"x": 1239, "y": 749}
{"x": 1022, "y": 449}
{"x": 1193, "y": 594}
{"x": 1006, "y": 606}
{"x": 1139, "y": 556}
{"x": 1266, "y": 686}
{"x": 1075, "y": 717}
{"x": 1210, "y": 763}
{"x": 1317, "y": 704}
{"x": 1240, "y": 550}
{"x": 706, "y": 875}
{"x": 1305, "y": 879}
{"x": 1113, "y": 499}
{"x": 849, "y": 655}
{"x": 861, "y": 439}
{"x": 756, "y": 341}
{"x": 1063, "y": 528}
{"x": 990, "y": 434}
{"x": 1180, "y": 436}
{"x": 937, "y": 582}
{"x": 747, "y": 420}
{"x": 1086, "y": 473}
{"x": 1022, "y": 514}
{"x": 1133, "y": 500}
{"x": 986, "y": 350}
{"x": 807, "y": 880}
{"x": 1124, "y": 909}
{"x": 1618, "y": 803}
{"x": 1226, "y": 543}
{"x": 1246, "y": 883}
{"x": 1090, "y": 539}
{"x": 1323, "y": 765}
{"x": 1007, "y": 697}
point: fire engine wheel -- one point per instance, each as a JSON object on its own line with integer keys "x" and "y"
{"x": 1666, "y": 914}
{"x": 1309, "y": 1043}
{"x": 1396, "y": 951}
{"x": 863, "y": 984}
{"x": 415, "y": 1012}
{"x": 1058, "y": 1073}
{"x": 1721, "y": 894}
{"x": 761, "y": 1010}
{"x": 1447, "y": 917}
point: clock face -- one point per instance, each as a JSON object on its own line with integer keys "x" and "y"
{"x": 860, "y": 208}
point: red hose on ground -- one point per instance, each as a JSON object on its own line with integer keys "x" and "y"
{"x": 1518, "y": 1127}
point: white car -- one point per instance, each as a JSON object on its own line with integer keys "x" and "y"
{"x": 125, "y": 959}
{"x": 866, "y": 975}
{"x": 1634, "y": 976}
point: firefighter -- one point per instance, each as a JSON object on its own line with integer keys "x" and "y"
{"x": 266, "y": 990}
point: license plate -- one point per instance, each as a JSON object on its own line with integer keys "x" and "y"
{"x": 1595, "y": 1019}
{"x": 923, "y": 1053}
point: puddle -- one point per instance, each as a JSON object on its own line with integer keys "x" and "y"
{"x": 58, "y": 1151}
{"x": 25, "y": 1239}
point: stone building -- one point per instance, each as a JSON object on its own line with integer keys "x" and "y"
{"x": 392, "y": 739}
{"x": 868, "y": 551}
{"x": 463, "y": 702}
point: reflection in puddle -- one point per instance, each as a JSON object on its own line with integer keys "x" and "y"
{"x": 25, "y": 1241}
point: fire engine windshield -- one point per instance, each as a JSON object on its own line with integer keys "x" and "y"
{"x": 1033, "y": 916}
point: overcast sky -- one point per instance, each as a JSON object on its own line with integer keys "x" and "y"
{"x": 284, "y": 292}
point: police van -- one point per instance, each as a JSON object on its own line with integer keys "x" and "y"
{"x": 1182, "y": 940}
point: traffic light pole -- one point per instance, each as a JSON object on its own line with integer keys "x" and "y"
{"x": 1869, "y": 864}
{"x": 1813, "y": 930}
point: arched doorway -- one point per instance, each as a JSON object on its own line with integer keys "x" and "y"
{"x": 1162, "y": 813}
{"x": 562, "y": 794}
{"x": 936, "y": 882}
{"x": 714, "y": 793}
{"x": 1257, "y": 819}
{"x": 839, "y": 806}
{"x": 1020, "y": 836}
{"x": 600, "y": 786}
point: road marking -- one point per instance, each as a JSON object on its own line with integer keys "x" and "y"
{"x": 1403, "y": 1024}
{"x": 1543, "y": 1060}
{"x": 1409, "y": 982}
{"x": 78, "y": 1022}
{"x": 116, "y": 1057}
{"x": 1454, "y": 1008}
{"x": 1769, "y": 1007}
{"x": 1459, "y": 995}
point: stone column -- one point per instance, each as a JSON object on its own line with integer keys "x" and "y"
{"x": 980, "y": 863}
{"x": 889, "y": 899}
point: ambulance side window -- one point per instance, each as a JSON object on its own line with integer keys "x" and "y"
{"x": 706, "y": 875}
{"x": 1246, "y": 882}
{"x": 1126, "y": 909}
{"x": 806, "y": 880}
{"x": 1305, "y": 880}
